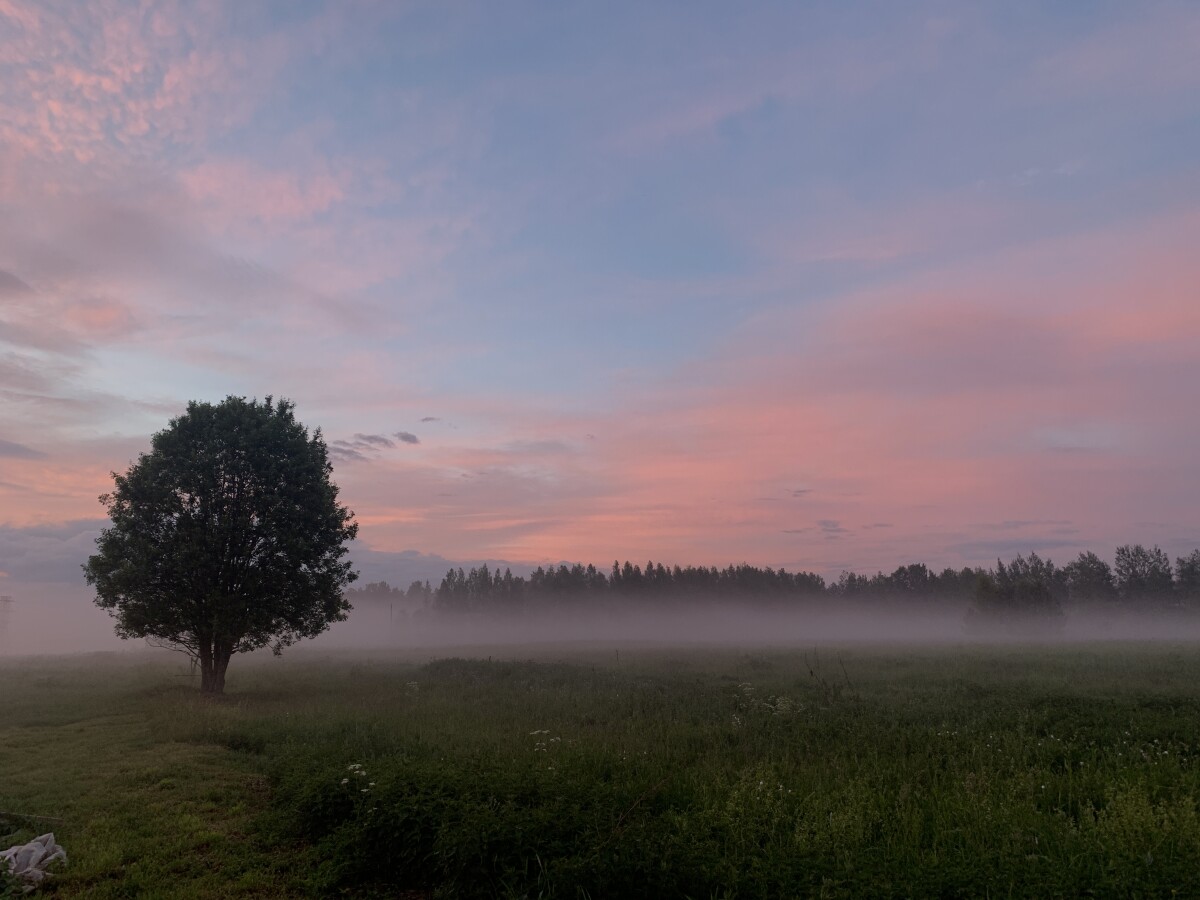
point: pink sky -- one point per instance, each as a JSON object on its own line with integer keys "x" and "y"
{"x": 800, "y": 290}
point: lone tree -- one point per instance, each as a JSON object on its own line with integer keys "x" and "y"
{"x": 226, "y": 537}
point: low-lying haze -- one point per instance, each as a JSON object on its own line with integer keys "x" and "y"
{"x": 60, "y": 619}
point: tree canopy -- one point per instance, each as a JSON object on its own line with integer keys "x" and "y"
{"x": 226, "y": 537}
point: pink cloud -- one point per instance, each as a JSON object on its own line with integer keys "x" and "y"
{"x": 39, "y": 492}
{"x": 99, "y": 318}
{"x": 245, "y": 191}
{"x": 102, "y": 84}
{"x": 23, "y": 14}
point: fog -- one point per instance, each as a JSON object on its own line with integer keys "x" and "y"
{"x": 54, "y": 618}
{"x": 739, "y": 624}
{"x": 61, "y": 619}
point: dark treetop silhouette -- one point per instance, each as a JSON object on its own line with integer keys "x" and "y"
{"x": 226, "y": 537}
{"x": 1028, "y": 594}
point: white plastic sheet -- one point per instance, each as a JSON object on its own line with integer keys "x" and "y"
{"x": 28, "y": 862}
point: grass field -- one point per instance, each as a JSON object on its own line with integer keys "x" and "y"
{"x": 1003, "y": 771}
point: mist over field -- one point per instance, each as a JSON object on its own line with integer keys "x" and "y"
{"x": 733, "y": 625}
{"x": 53, "y": 619}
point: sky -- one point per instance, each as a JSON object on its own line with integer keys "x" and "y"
{"x": 821, "y": 286}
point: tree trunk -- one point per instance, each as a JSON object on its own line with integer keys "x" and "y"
{"x": 214, "y": 654}
{"x": 207, "y": 668}
{"x": 220, "y": 664}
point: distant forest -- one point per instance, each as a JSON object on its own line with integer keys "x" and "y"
{"x": 1140, "y": 579}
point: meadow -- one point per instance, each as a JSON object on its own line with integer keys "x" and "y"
{"x": 609, "y": 772}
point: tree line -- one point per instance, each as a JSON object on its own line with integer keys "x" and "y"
{"x": 1138, "y": 579}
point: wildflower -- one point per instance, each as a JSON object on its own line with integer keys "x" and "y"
{"x": 345, "y": 781}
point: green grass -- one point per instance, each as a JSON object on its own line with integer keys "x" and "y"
{"x": 659, "y": 773}
{"x": 140, "y": 813}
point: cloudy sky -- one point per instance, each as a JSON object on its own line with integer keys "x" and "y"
{"x": 816, "y": 285}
